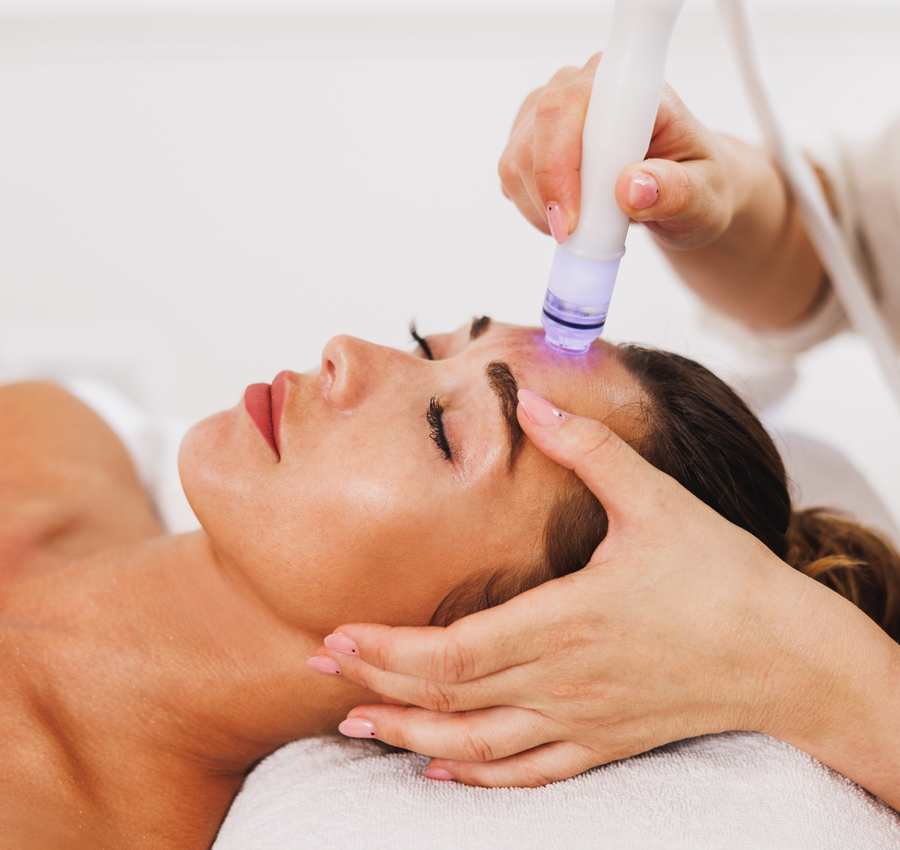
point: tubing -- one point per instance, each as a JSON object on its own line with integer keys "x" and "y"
{"x": 848, "y": 282}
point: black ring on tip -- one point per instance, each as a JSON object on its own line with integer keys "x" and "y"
{"x": 566, "y": 324}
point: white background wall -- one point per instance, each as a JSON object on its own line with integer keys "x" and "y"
{"x": 202, "y": 193}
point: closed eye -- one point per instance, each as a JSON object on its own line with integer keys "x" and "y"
{"x": 420, "y": 340}
{"x": 435, "y": 417}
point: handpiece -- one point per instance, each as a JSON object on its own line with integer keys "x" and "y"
{"x": 617, "y": 130}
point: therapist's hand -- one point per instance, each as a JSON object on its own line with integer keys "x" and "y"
{"x": 717, "y": 207}
{"x": 682, "y": 624}
{"x": 682, "y": 190}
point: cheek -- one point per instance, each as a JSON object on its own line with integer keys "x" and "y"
{"x": 364, "y": 548}
{"x": 330, "y": 537}
{"x": 343, "y": 536}
{"x": 363, "y": 545}
{"x": 402, "y": 550}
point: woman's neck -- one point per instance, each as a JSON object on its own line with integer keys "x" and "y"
{"x": 155, "y": 649}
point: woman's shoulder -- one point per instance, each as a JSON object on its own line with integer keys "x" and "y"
{"x": 67, "y": 483}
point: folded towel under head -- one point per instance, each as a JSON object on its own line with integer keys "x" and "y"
{"x": 736, "y": 791}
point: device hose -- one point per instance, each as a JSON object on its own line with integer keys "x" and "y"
{"x": 849, "y": 284}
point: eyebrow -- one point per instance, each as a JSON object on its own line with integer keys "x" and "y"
{"x": 479, "y": 326}
{"x": 503, "y": 383}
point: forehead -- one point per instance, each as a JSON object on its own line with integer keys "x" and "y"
{"x": 594, "y": 384}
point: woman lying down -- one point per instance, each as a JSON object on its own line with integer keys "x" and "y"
{"x": 144, "y": 674}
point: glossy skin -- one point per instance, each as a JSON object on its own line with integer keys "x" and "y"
{"x": 145, "y": 674}
{"x": 362, "y": 501}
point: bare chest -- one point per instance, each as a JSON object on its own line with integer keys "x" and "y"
{"x": 95, "y": 791}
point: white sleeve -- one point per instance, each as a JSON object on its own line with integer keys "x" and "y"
{"x": 864, "y": 180}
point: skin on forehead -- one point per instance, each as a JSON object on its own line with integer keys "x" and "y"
{"x": 593, "y": 384}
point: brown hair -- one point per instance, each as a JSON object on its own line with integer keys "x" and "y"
{"x": 696, "y": 429}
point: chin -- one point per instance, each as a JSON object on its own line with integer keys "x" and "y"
{"x": 207, "y": 461}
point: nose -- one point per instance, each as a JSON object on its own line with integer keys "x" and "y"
{"x": 356, "y": 369}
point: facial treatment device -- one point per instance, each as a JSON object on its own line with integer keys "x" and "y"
{"x": 624, "y": 101}
{"x": 618, "y": 126}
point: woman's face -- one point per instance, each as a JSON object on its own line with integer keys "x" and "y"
{"x": 396, "y": 476}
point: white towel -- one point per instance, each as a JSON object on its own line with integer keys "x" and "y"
{"x": 736, "y": 791}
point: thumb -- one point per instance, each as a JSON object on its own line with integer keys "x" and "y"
{"x": 687, "y": 200}
{"x": 655, "y": 190}
{"x": 614, "y": 472}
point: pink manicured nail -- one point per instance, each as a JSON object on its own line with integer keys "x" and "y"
{"x": 339, "y": 642}
{"x": 559, "y": 227}
{"x": 358, "y": 727}
{"x": 644, "y": 191}
{"x": 540, "y": 411}
{"x": 440, "y": 774}
{"x": 324, "y": 664}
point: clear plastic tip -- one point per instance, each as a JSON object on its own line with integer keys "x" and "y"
{"x": 577, "y": 300}
{"x": 571, "y": 327}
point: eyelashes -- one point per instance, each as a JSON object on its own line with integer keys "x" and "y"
{"x": 435, "y": 413}
{"x": 435, "y": 417}
{"x": 420, "y": 340}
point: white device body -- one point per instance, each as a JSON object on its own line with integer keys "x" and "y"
{"x": 618, "y": 127}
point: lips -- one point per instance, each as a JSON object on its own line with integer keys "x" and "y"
{"x": 279, "y": 390}
{"x": 258, "y": 401}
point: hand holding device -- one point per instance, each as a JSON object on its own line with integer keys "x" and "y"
{"x": 617, "y": 129}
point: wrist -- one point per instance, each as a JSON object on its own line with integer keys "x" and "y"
{"x": 832, "y": 682}
{"x": 758, "y": 199}
{"x": 762, "y": 269}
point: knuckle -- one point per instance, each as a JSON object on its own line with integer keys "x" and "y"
{"x": 360, "y": 674}
{"x": 455, "y": 662}
{"x": 381, "y": 658}
{"x": 564, "y": 75}
{"x": 549, "y": 181}
{"x": 599, "y": 441}
{"x": 528, "y": 104}
{"x": 436, "y": 697}
{"x": 712, "y": 208}
{"x": 682, "y": 191}
{"x": 507, "y": 168}
{"x": 476, "y": 747}
{"x": 554, "y": 102}
{"x": 394, "y": 734}
{"x": 532, "y": 775}
{"x": 523, "y": 151}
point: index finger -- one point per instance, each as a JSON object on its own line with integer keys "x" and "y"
{"x": 478, "y": 645}
{"x": 558, "y": 124}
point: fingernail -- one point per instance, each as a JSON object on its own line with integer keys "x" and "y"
{"x": 339, "y": 642}
{"x": 440, "y": 774}
{"x": 644, "y": 191}
{"x": 559, "y": 227}
{"x": 540, "y": 411}
{"x": 323, "y": 664}
{"x": 358, "y": 727}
